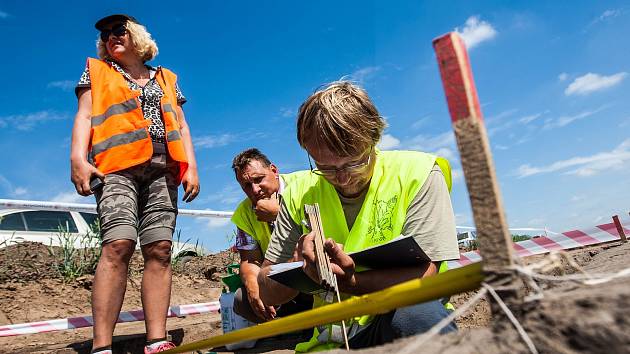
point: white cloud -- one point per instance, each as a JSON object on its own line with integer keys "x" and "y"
{"x": 605, "y": 16}
{"x": 447, "y": 153}
{"x": 212, "y": 141}
{"x": 26, "y": 122}
{"x": 68, "y": 197}
{"x": 431, "y": 143}
{"x": 442, "y": 145}
{"x": 590, "y": 83}
{"x": 218, "y": 223}
{"x": 420, "y": 123}
{"x": 11, "y": 190}
{"x": 3, "y": 14}
{"x": 363, "y": 74}
{"x": 20, "y": 191}
{"x": 609, "y": 13}
{"x": 500, "y": 147}
{"x": 584, "y": 166}
{"x": 530, "y": 118}
{"x": 388, "y": 142}
{"x": 563, "y": 76}
{"x": 287, "y": 112}
{"x": 577, "y": 198}
{"x": 475, "y": 32}
{"x": 229, "y": 196}
{"x": 497, "y": 123}
{"x": 566, "y": 120}
{"x": 64, "y": 85}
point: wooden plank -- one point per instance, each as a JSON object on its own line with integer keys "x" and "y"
{"x": 622, "y": 234}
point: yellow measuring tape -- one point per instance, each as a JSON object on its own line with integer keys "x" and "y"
{"x": 404, "y": 294}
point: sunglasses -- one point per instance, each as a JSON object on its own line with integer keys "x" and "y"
{"x": 117, "y": 30}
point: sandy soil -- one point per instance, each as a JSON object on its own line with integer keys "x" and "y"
{"x": 571, "y": 318}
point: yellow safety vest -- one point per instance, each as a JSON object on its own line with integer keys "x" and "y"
{"x": 245, "y": 218}
{"x": 397, "y": 179}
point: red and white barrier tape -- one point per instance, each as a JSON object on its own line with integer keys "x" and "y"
{"x": 86, "y": 321}
{"x": 563, "y": 241}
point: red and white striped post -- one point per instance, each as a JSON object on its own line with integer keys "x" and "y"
{"x": 495, "y": 240}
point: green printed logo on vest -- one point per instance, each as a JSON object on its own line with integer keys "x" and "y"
{"x": 381, "y": 227}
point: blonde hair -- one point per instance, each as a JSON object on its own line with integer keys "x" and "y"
{"x": 342, "y": 117}
{"x": 144, "y": 45}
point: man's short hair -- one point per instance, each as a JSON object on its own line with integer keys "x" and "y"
{"x": 342, "y": 117}
{"x": 246, "y": 156}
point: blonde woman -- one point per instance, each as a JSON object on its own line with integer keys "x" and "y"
{"x": 131, "y": 148}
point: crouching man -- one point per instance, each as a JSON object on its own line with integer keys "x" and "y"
{"x": 254, "y": 219}
{"x": 366, "y": 197}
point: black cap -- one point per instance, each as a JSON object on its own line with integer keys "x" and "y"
{"x": 100, "y": 24}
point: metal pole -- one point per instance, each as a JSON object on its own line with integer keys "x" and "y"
{"x": 91, "y": 208}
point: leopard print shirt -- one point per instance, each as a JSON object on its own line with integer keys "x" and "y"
{"x": 150, "y": 96}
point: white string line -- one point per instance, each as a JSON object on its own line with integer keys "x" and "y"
{"x": 512, "y": 318}
{"x": 553, "y": 261}
{"x": 550, "y": 262}
{"x": 420, "y": 340}
{"x": 590, "y": 279}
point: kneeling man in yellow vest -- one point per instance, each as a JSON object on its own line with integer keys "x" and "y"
{"x": 254, "y": 219}
{"x": 367, "y": 197}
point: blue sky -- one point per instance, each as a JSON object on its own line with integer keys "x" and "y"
{"x": 552, "y": 79}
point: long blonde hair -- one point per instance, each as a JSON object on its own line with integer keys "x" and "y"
{"x": 144, "y": 45}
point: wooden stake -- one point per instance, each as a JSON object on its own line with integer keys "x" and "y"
{"x": 622, "y": 234}
{"x": 495, "y": 241}
{"x": 327, "y": 278}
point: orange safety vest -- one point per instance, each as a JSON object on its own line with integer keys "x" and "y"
{"x": 119, "y": 136}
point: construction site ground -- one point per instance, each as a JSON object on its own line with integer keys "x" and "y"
{"x": 570, "y": 318}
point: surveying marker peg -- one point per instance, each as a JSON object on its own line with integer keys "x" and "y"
{"x": 622, "y": 234}
{"x": 495, "y": 240}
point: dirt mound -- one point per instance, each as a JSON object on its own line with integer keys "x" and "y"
{"x": 32, "y": 290}
{"x": 210, "y": 267}
{"x": 26, "y": 262}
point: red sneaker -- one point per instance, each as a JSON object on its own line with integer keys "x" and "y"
{"x": 160, "y": 348}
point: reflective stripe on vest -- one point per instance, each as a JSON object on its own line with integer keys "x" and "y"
{"x": 119, "y": 134}
{"x": 397, "y": 178}
{"x": 120, "y": 139}
{"x": 245, "y": 219}
{"x": 114, "y": 109}
{"x": 173, "y": 135}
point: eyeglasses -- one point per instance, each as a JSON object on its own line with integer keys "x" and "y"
{"x": 117, "y": 30}
{"x": 358, "y": 167}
